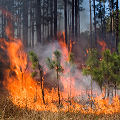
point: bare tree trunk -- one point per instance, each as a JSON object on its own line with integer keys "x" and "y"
{"x": 117, "y": 27}
{"x": 58, "y": 85}
{"x": 73, "y": 18}
{"x": 36, "y": 94}
{"x": 31, "y": 26}
{"x": 104, "y": 25}
{"x": 101, "y": 17}
{"x": 108, "y": 90}
{"x": 25, "y": 23}
{"x": 115, "y": 89}
{"x": 51, "y": 20}
{"x": 32, "y": 33}
{"x": 70, "y": 88}
{"x": 55, "y": 19}
{"x": 76, "y": 18}
{"x": 42, "y": 83}
{"x": 38, "y": 21}
{"x": 90, "y": 25}
{"x": 65, "y": 16}
{"x": 95, "y": 41}
{"x": 91, "y": 93}
{"x": 111, "y": 2}
{"x": 112, "y": 17}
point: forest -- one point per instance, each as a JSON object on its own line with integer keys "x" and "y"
{"x": 59, "y": 59}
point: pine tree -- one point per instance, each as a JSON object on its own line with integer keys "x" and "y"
{"x": 104, "y": 71}
{"x": 55, "y": 64}
{"x": 91, "y": 66}
{"x": 36, "y": 66}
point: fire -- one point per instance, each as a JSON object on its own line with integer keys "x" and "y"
{"x": 25, "y": 92}
{"x": 102, "y": 44}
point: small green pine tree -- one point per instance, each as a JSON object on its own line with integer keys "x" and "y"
{"x": 92, "y": 64}
{"x": 104, "y": 71}
{"x": 55, "y": 64}
{"x": 36, "y": 66}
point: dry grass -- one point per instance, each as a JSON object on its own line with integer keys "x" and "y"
{"x": 8, "y": 111}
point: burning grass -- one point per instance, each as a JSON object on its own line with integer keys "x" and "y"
{"x": 25, "y": 94}
{"x": 8, "y": 111}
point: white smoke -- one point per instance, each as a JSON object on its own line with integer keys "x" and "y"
{"x": 81, "y": 82}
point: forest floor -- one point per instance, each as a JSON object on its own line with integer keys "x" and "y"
{"x": 8, "y": 111}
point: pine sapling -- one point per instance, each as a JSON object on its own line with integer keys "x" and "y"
{"x": 36, "y": 66}
{"x": 55, "y": 64}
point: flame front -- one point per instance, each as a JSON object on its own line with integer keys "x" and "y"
{"x": 24, "y": 91}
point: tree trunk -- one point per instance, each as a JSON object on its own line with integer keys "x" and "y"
{"x": 25, "y": 23}
{"x": 42, "y": 84}
{"x": 91, "y": 93}
{"x": 115, "y": 89}
{"x": 51, "y": 19}
{"x": 90, "y": 25}
{"x": 36, "y": 94}
{"x": 65, "y": 17}
{"x": 73, "y": 18}
{"x": 32, "y": 33}
{"x": 58, "y": 85}
{"x": 38, "y": 21}
{"x": 101, "y": 17}
{"x": 104, "y": 23}
{"x": 76, "y": 18}
{"x": 112, "y": 17}
{"x": 31, "y": 27}
{"x": 70, "y": 88}
{"x": 95, "y": 40}
{"x": 117, "y": 27}
{"x": 108, "y": 90}
{"x": 55, "y": 19}
{"x": 79, "y": 17}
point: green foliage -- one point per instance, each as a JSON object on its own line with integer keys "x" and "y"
{"x": 119, "y": 47}
{"x": 108, "y": 23}
{"x": 55, "y": 63}
{"x": 104, "y": 70}
{"x": 57, "y": 54}
{"x": 34, "y": 59}
{"x": 71, "y": 58}
{"x": 34, "y": 74}
{"x": 92, "y": 62}
{"x": 50, "y": 63}
{"x": 35, "y": 63}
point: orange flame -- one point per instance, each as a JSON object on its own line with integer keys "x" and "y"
{"x": 102, "y": 44}
{"x": 25, "y": 91}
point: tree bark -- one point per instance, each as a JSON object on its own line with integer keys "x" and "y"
{"x": 95, "y": 40}
{"x": 65, "y": 17}
{"x": 41, "y": 83}
{"x": 76, "y": 18}
{"x": 51, "y": 19}
{"x": 73, "y": 17}
{"x": 70, "y": 88}
{"x": 91, "y": 93}
{"x": 38, "y": 21}
{"x": 90, "y": 25}
{"x": 117, "y": 27}
{"x": 55, "y": 19}
{"x": 58, "y": 85}
{"x": 25, "y": 23}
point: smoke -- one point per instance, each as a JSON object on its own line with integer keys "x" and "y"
{"x": 71, "y": 72}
